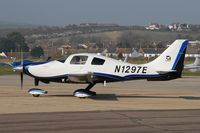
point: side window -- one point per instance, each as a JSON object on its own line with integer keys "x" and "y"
{"x": 97, "y": 61}
{"x": 79, "y": 60}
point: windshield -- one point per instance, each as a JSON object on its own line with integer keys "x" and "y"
{"x": 63, "y": 58}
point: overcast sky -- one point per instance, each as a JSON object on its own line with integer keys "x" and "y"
{"x": 124, "y": 12}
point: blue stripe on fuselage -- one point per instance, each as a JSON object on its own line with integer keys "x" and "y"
{"x": 115, "y": 77}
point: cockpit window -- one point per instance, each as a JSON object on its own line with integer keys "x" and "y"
{"x": 97, "y": 61}
{"x": 79, "y": 60}
{"x": 63, "y": 58}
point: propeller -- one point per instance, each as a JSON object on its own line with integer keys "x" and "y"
{"x": 22, "y": 70}
{"x": 22, "y": 79}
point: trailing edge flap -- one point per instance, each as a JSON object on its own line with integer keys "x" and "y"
{"x": 82, "y": 78}
{"x": 167, "y": 71}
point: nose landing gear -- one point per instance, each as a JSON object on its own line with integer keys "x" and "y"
{"x": 35, "y": 92}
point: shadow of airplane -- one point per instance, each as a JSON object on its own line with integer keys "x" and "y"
{"x": 114, "y": 97}
{"x": 190, "y": 97}
{"x": 59, "y": 95}
{"x": 106, "y": 97}
{"x": 164, "y": 97}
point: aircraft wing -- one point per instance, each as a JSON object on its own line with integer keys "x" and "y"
{"x": 91, "y": 77}
{"x": 82, "y": 78}
{"x": 195, "y": 65}
{"x": 5, "y": 64}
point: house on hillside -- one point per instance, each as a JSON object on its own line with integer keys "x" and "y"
{"x": 111, "y": 52}
{"x": 135, "y": 53}
{"x": 65, "y": 49}
{"x": 179, "y": 27}
{"x": 152, "y": 52}
{"x": 184, "y": 27}
{"x": 153, "y": 26}
{"x": 194, "y": 43}
{"x": 173, "y": 26}
{"x": 82, "y": 46}
{"x": 155, "y": 52}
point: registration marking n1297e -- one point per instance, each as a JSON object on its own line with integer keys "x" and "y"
{"x": 130, "y": 69}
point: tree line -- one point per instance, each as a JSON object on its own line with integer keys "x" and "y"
{"x": 15, "y": 42}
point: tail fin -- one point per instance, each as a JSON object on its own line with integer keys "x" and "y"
{"x": 197, "y": 61}
{"x": 171, "y": 61}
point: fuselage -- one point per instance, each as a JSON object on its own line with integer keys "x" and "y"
{"x": 89, "y": 64}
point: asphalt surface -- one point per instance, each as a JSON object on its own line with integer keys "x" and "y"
{"x": 178, "y": 121}
{"x": 124, "y": 107}
{"x": 182, "y": 93}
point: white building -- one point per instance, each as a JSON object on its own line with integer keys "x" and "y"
{"x": 153, "y": 26}
{"x": 173, "y": 26}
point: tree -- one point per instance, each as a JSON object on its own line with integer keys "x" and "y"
{"x": 123, "y": 45}
{"x": 120, "y": 56}
{"x": 19, "y": 41}
{"x": 185, "y": 36}
{"x": 6, "y": 45}
{"x": 37, "y": 52}
{"x": 198, "y": 37}
{"x": 133, "y": 39}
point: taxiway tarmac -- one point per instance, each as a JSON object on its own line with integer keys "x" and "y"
{"x": 133, "y": 95}
{"x": 134, "y": 106}
{"x": 173, "y": 121}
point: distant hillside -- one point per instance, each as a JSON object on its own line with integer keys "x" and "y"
{"x": 13, "y": 25}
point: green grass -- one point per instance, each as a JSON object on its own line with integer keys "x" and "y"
{"x": 6, "y": 70}
{"x": 188, "y": 73}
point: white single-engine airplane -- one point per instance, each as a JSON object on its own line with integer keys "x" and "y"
{"x": 92, "y": 69}
{"x": 195, "y": 66}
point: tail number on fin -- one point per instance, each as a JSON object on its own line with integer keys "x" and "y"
{"x": 130, "y": 69}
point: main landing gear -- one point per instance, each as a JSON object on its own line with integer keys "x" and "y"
{"x": 35, "y": 92}
{"x": 81, "y": 93}
{"x": 85, "y": 93}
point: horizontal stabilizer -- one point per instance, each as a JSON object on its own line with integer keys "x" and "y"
{"x": 168, "y": 71}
